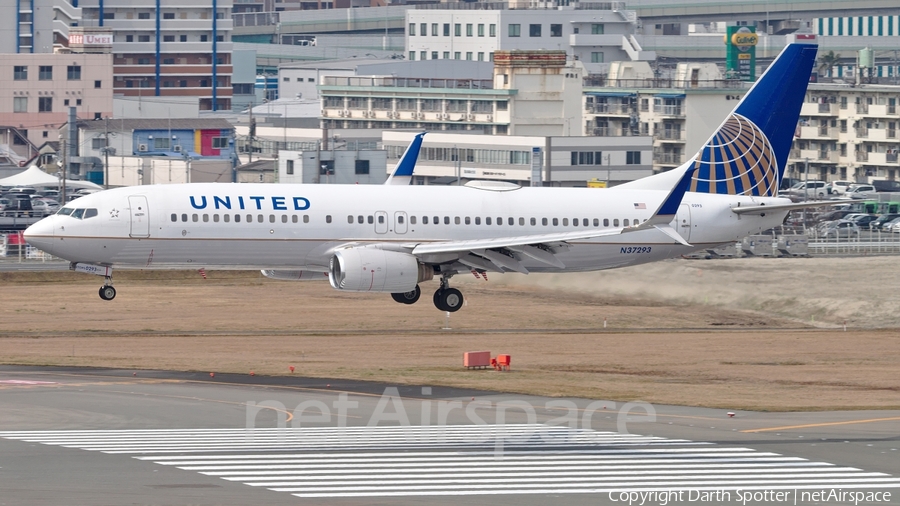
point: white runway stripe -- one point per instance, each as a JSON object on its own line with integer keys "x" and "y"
{"x": 460, "y": 460}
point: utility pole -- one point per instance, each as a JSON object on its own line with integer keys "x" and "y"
{"x": 106, "y": 157}
{"x": 252, "y": 135}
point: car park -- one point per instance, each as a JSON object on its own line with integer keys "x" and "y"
{"x": 882, "y": 220}
{"x": 860, "y": 191}
{"x": 841, "y": 229}
{"x": 835, "y": 188}
{"x": 889, "y": 226}
{"x": 864, "y": 220}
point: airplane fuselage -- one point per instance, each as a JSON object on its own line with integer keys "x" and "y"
{"x": 264, "y": 226}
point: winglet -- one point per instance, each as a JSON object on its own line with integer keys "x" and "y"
{"x": 402, "y": 174}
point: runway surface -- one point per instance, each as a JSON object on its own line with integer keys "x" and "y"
{"x": 98, "y": 437}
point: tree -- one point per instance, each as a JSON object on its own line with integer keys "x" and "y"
{"x": 828, "y": 61}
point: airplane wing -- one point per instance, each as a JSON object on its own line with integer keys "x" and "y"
{"x": 542, "y": 247}
{"x": 766, "y": 208}
{"x": 402, "y": 174}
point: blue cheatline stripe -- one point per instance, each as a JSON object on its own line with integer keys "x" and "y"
{"x": 158, "y": 36}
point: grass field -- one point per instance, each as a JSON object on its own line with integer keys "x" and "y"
{"x": 682, "y": 332}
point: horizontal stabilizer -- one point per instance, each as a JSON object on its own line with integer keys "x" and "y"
{"x": 766, "y": 208}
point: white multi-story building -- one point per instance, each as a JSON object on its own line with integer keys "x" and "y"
{"x": 595, "y": 37}
{"x": 168, "y": 47}
{"x": 36, "y": 26}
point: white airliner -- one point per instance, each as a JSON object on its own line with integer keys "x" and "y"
{"x": 390, "y": 238}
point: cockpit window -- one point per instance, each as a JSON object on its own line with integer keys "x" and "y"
{"x": 90, "y": 213}
{"x": 65, "y": 211}
{"x": 77, "y": 214}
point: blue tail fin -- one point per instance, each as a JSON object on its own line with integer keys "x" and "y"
{"x": 748, "y": 153}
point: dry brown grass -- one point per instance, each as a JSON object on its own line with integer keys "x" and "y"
{"x": 238, "y": 322}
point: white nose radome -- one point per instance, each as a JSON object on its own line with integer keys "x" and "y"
{"x": 40, "y": 235}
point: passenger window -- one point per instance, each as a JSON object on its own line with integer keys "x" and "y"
{"x": 605, "y": 222}
{"x": 596, "y": 222}
{"x": 584, "y": 222}
{"x": 237, "y": 218}
{"x": 250, "y": 218}
{"x": 284, "y": 218}
{"x": 435, "y": 220}
{"x": 487, "y": 221}
{"x": 456, "y": 220}
{"x": 400, "y": 219}
{"x": 616, "y": 223}
{"x": 511, "y": 221}
{"x": 533, "y": 221}
{"x": 328, "y": 218}
{"x": 544, "y": 221}
{"x": 215, "y": 218}
{"x": 574, "y": 222}
{"x": 361, "y": 219}
{"x": 625, "y": 222}
{"x": 350, "y": 219}
{"x": 499, "y": 221}
{"x": 271, "y": 218}
{"x": 522, "y": 222}
{"x": 380, "y": 219}
{"x": 371, "y": 219}
{"x": 565, "y": 222}
{"x": 446, "y": 220}
{"x": 412, "y": 220}
{"x": 468, "y": 221}
{"x": 555, "y": 222}
{"x": 195, "y": 218}
{"x": 294, "y": 218}
{"x": 205, "y": 218}
{"x": 226, "y": 218}
{"x": 260, "y": 218}
{"x": 90, "y": 213}
{"x": 174, "y": 216}
{"x": 424, "y": 220}
{"x": 478, "y": 220}
{"x": 305, "y": 218}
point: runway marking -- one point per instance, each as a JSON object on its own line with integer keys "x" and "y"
{"x": 461, "y": 460}
{"x": 27, "y": 382}
{"x": 824, "y": 424}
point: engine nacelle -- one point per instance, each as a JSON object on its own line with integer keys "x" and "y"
{"x": 376, "y": 270}
{"x": 295, "y": 275}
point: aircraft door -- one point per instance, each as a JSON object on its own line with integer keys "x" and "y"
{"x": 140, "y": 216}
{"x": 683, "y": 221}
{"x": 400, "y": 220}
{"x": 381, "y": 222}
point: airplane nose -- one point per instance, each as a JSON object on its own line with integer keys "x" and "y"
{"x": 40, "y": 235}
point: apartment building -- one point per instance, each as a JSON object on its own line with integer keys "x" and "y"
{"x": 36, "y": 26}
{"x": 848, "y": 132}
{"x": 168, "y": 47}
{"x": 586, "y": 33}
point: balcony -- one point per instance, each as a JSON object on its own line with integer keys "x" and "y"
{"x": 862, "y": 156}
{"x": 816, "y": 109}
{"x": 862, "y": 108}
{"x": 669, "y": 135}
{"x": 668, "y": 110}
{"x": 881, "y": 158}
{"x": 825, "y": 155}
{"x": 862, "y": 132}
{"x": 819, "y": 132}
{"x": 612, "y": 109}
{"x": 668, "y": 158}
{"x": 611, "y": 132}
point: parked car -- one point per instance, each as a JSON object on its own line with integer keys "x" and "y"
{"x": 5, "y": 203}
{"x": 834, "y": 215}
{"x": 52, "y": 204}
{"x": 41, "y": 206}
{"x": 860, "y": 191}
{"x": 804, "y": 190}
{"x": 864, "y": 220}
{"x": 836, "y": 188}
{"x": 879, "y": 222}
{"x": 28, "y": 190}
{"x": 886, "y": 185}
{"x": 844, "y": 229}
{"x": 891, "y": 226}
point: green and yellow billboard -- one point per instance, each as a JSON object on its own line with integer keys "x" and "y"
{"x": 740, "y": 60}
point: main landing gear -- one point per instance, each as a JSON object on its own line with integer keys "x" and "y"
{"x": 107, "y": 292}
{"x": 445, "y": 298}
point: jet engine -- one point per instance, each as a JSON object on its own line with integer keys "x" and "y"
{"x": 376, "y": 270}
{"x": 295, "y": 275}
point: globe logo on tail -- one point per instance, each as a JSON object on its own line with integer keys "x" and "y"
{"x": 738, "y": 160}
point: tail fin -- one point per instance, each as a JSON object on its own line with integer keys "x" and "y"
{"x": 748, "y": 153}
{"x": 403, "y": 172}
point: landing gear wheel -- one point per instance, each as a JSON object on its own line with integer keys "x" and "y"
{"x": 410, "y": 297}
{"x": 107, "y": 292}
{"x": 448, "y": 299}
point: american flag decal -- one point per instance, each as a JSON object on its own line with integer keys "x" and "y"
{"x": 640, "y": 206}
